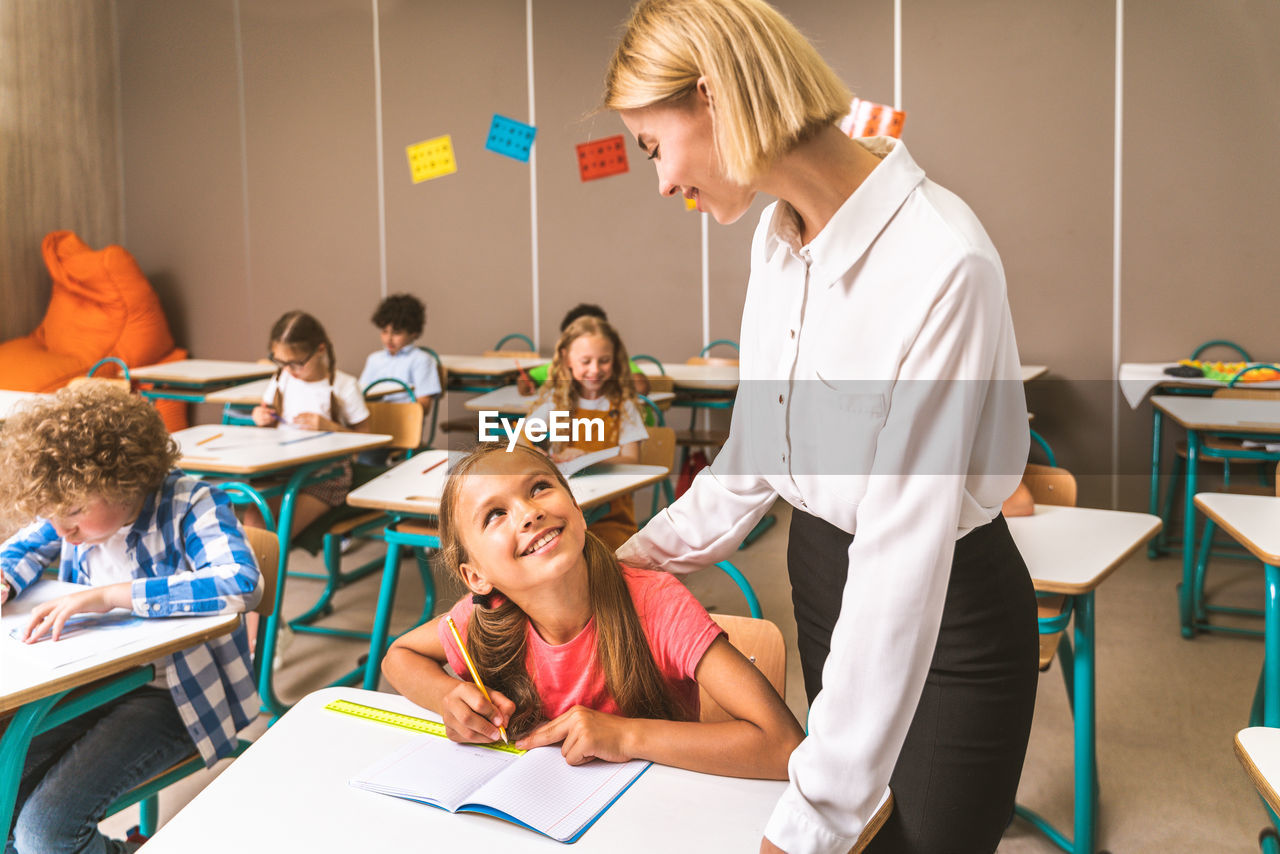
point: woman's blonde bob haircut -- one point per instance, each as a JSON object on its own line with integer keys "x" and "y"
{"x": 90, "y": 441}
{"x": 768, "y": 85}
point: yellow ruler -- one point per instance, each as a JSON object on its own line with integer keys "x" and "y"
{"x": 382, "y": 716}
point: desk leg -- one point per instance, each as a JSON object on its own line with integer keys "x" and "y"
{"x": 1271, "y": 657}
{"x": 1085, "y": 708}
{"x": 1156, "y": 546}
{"x": 382, "y": 616}
{"x": 23, "y": 726}
{"x": 1189, "y": 534}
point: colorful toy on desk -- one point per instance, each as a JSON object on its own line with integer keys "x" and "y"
{"x": 1226, "y": 371}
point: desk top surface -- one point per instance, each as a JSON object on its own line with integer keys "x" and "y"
{"x": 1138, "y": 379}
{"x": 509, "y": 399}
{"x": 1258, "y": 749}
{"x": 235, "y": 449}
{"x": 1073, "y": 549}
{"x": 26, "y": 676}
{"x": 201, "y": 371}
{"x": 488, "y": 366}
{"x": 253, "y": 392}
{"x": 416, "y": 485}
{"x": 1254, "y": 520}
{"x": 10, "y": 400}
{"x": 290, "y": 792}
{"x": 1235, "y": 414}
{"x": 1031, "y": 372}
{"x": 707, "y": 377}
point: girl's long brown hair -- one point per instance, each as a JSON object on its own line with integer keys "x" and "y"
{"x": 298, "y": 329}
{"x": 560, "y": 385}
{"x": 497, "y": 635}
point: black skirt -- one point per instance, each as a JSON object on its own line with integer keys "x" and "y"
{"x": 956, "y": 777}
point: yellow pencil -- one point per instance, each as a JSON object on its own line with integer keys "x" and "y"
{"x": 208, "y": 439}
{"x": 462, "y": 648}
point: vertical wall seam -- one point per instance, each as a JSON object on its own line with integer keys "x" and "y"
{"x": 897, "y": 54}
{"x": 115, "y": 41}
{"x": 706, "y": 281}
{"x": 377, "y": 121}
{"x": 533, "y": 186}
{"x": 250, "y": 316}
{"x": 1117, "y": 180}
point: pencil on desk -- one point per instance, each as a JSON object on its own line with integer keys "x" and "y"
{"x": 207, "y": 439}
{"x": 524, "y": 373}
{"x": 305, "y": 438}
{"x": 462, "y": 648}
{"x": 435, "y": 465}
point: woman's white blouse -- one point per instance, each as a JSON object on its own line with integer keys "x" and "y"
{"x": 880, "y": 391}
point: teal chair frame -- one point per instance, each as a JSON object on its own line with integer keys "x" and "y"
{"x": 515, "y": 336}
{"x": 645, "y": 357}
{"x": 124, "y": 369}
{"x": 1163, "y": 541}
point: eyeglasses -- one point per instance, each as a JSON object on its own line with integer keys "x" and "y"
{"x": 296, "y": 365}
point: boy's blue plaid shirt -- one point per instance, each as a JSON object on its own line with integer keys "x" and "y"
{"x": 191, "y": 559}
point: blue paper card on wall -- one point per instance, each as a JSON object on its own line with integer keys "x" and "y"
{"x": 510, "y": 137}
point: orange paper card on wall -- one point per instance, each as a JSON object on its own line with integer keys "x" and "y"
{"x": 601, "y": 158}
{"x": 867, "y": 118}
{"x": 431, "y": 158}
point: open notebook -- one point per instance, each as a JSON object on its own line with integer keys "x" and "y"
{"x": 536, "y": 789}
{"x": 569, "y": 468}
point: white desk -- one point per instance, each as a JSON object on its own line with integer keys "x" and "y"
{"x": 1258, "y": 749}
{"x": 508, "y": 400}
{"x": 255, "y": 452}
{"x": 11, "y": 400}
{"x": 1139, "y": 379}
{"x": 201, "y": 373}
{"x": 289, "y": 792}
{"x": 31, "y": 690}
{"x": 696, "y": 377}
{"x": 488, "y": 366}
{"x": 251, "y": 394}
{"x": 1197, "y": 415}
{"x": 1071, "y": 550}
{"x": 1031, "y": 372}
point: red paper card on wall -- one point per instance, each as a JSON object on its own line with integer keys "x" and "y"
{"x": 601, "y": 158}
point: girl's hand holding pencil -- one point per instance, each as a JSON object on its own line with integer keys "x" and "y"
{"x": 265, "y": 416}
{"x": 469, "y": 718}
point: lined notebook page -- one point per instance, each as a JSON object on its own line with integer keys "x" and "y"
{"x": 435, "y": 769}
{"x": 554, "y": 797}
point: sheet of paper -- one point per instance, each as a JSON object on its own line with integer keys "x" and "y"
{"x": 434, "y": 769}
{"x": 88, "y": 634}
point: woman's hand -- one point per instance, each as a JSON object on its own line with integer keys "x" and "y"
{"x": 53, "y": 615}
{"x": 470, "y": 718}
{"x": 567, "y": 454}
{"x": 265, "y": 416}
{"x": 767, "y": 847}
{"x": 586, "y": 734}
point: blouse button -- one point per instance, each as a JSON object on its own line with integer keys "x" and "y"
{"x": 793, "y": 333}
{"x": 779, "y": 398}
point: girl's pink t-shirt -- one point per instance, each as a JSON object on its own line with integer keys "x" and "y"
{"x": 678, "y": 628}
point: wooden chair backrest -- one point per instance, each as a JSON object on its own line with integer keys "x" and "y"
{"x": 513, "y": 354}
{"x": 761, "y": 642}
{"x": 661, "y": 382}
{"x": 1050, "y": 485}
{"x": 402, "y": 421}
{"x": 660, "y": 448}
{"x": 711, "y": 360}
{"x": 1249, "y": 393}
{"x": 266, "y": 548}
{"x": 114, "y": 382}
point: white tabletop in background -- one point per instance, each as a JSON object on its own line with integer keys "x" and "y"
{"x": 249, "y": 450}
{"x": 1031, "y": 372}
{"x": 509, "y": 399}
{"x": 1254, "y": 521}
{"x": 22, "y": 681}
{"x": 201, "y": 371}
{"x": 252, "y": 393}
{"x": 289, "y": 792}
{"x": 415, "y": 486}
{"x": 488, "y": 366}
{"x": 1138, "y": 379}
{"x": 1258, "y": 748}
{"x": 708, "y": 377}
{"x": 1221, "y": 413}
{"x": 10, "y": 400}
{"x": 1072, "y": 549}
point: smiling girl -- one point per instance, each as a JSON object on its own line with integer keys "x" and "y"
{"x": 575, "y": 648}
{"x": 584, "y": 380}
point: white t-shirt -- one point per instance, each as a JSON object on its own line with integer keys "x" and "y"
{"x": 630, "y": 429}
{"x": 109, "y": 562}
{"x": 298, "y": 396}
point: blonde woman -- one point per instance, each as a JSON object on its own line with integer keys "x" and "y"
{"x": 881, "y": 397}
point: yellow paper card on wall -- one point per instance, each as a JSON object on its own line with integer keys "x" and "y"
{"x": 431, "y": 158}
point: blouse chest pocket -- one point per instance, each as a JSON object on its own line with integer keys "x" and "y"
{"x": 843, "y": 420}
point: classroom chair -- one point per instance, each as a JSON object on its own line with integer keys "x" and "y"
{"x": 761, "y": 642}
{"x": 529, "y": 352}
{"x": 1052, "y": 485}
{"x": 660, "y": 450}
{"x": 265, "y": 549}
{"x": 403, "y": 422}
{"x": 1200, "y": 608}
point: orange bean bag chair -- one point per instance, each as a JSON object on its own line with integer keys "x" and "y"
{"x": 102, "y": 305}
